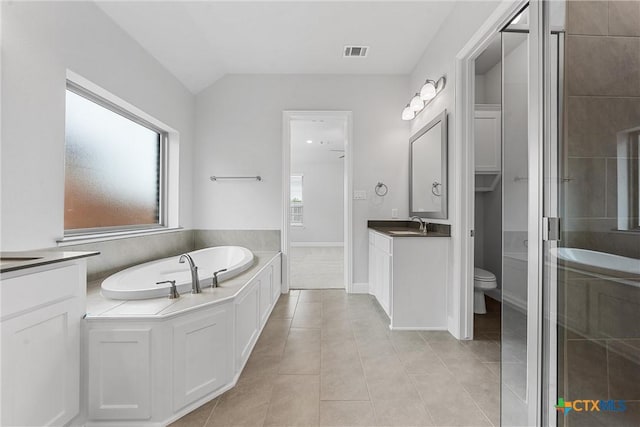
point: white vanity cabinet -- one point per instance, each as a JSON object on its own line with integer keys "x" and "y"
{"x": 42, "y": 309}
{"x": 408, "y": 277}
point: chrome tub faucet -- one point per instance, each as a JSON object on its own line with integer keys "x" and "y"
{"x": 195, "y": 281}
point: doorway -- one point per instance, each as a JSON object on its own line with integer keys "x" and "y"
{"x": 316, "y": 209}
{"x": 488, "y": 170}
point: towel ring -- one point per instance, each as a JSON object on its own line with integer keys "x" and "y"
{"x": 434, "y": 189}
{"x": 381, "y": 189}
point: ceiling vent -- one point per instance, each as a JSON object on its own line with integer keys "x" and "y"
{"x": 355, "y": 51}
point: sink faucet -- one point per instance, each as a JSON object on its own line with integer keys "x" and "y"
{"x": 423, "y": 225}
{"x": 195, "y": 282}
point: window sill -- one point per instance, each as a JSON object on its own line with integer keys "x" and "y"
{"x": 103, "y": 237}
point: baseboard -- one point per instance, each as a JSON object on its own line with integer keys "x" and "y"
{"x": 516, "y": 303}
{"x": 495, "y": 294}
{"x": 411, "y": 328}
{"x": 316, "y": 244}
{"x": 360, "y": 288}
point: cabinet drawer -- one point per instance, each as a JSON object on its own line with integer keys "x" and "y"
{"x": 37, "y": 289}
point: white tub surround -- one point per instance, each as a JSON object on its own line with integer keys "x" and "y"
{"x": 149, "y": 362}
{"x": 141, "y": 281}
{"x": 42, "y": 302}
{"x": 408, "y": 275}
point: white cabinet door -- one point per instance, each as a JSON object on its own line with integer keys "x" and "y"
{"x": 247, "y": 323}
{"x": 120, "y": 374}
{"x": 41, "y": 366}
{"x": 373, "y": 278}
{"x": 277, "y": 279}
{"x": 488, "y": 147}
{"x": 201, "y": 356}
{"x": 380, "y": 269}
{"x": 384, "y": 275}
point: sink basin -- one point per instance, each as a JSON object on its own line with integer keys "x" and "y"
{"x": 406, "y": 233}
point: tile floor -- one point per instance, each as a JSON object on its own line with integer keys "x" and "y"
{"x": 317, "y": 267}
{"x": 328, "y": 358}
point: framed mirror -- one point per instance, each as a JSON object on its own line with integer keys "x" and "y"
{"x": 428, "y": 170}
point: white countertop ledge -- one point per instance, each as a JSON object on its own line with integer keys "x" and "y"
{"x": 101, "y": 308}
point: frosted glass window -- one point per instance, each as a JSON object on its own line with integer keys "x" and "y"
{"x": 112, "y": 169}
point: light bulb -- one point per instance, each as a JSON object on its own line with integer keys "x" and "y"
{"x": 408, "y": 113}
{"x": 416, "y": 103}
{"x": 428, "y": 91}
{"x": 309, "y": 141}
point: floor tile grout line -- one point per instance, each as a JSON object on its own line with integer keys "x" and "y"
{"x": 211, "y": 413}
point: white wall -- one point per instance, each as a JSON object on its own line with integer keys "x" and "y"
{"x": 479, "y": 89}
{"x": 239, "y": 131}
{"x": 515, "y": 137}
{"x": 439, "y": 59}
{"x": 493, "y": 85}
{"x": 323, "y": 196}
{"x": 40, "y": 41}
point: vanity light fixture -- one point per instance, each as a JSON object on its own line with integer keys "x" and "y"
{"x": 408, "y": 113}
{"x": 416, "y": 103}
{"x": 428, "y": 92}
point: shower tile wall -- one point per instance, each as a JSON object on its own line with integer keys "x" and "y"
{"x": 599, "y": 334}
{"x": 603, "y": 98}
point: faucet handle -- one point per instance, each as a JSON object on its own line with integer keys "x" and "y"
{"x": 173, "y": 291}
{"x": 214, "y": 282}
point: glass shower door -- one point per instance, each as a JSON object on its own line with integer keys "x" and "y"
{"x": 516, "y": 400}
{"x": 592, "y": 261}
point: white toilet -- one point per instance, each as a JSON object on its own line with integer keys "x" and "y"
{"x": 483, "y": 280}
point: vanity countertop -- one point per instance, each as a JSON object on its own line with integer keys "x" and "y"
{"x": 405, "y": 228}
{"x": 13, "y": 261}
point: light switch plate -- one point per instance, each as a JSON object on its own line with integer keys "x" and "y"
{"x": 394, "y": 213}
{"x": 360, "y": 195}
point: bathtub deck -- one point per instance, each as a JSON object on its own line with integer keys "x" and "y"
{"x": 99, "y": 307}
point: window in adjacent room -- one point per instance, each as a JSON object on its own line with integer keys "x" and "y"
{"x": 296, "y": 206}
{"x": 114, "y": 167}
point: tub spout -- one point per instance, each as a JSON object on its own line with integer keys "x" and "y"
{"x": 195, "y": 281}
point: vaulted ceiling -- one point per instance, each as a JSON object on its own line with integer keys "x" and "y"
{"x": 201, "y": 41}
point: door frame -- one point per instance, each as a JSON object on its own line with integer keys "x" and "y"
{"x": 287, "y": 118}
{"x": 464, "y": 158}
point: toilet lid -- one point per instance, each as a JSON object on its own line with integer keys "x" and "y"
{"x": 483, "y": 275}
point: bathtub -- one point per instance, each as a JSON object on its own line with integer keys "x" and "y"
{"x": 139, "y": 281}
{"x": 600, "y": 260}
